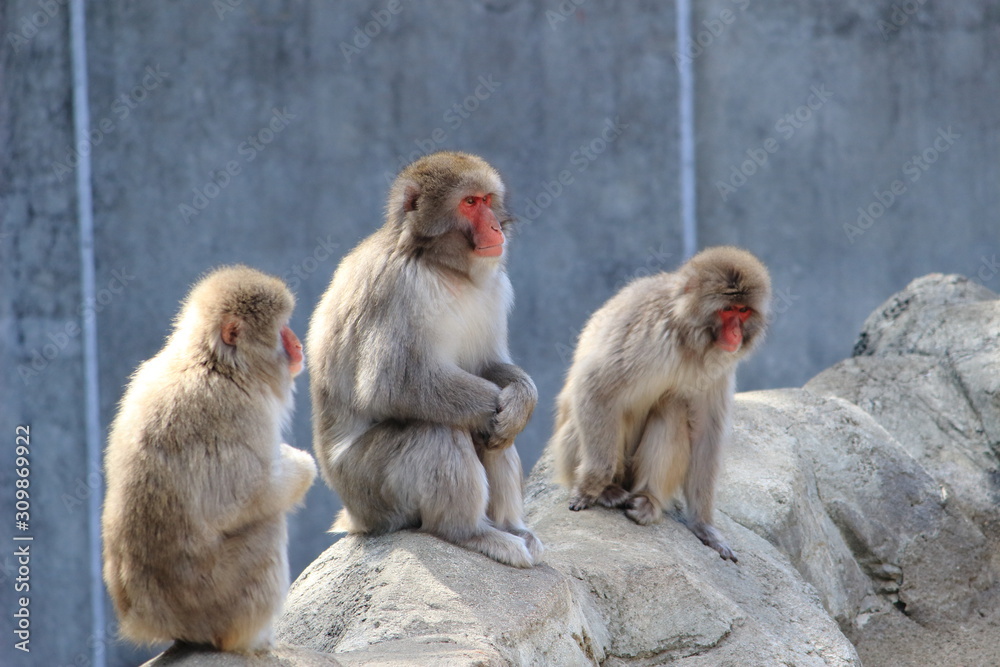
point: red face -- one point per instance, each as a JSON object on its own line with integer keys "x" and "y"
{"x": 486, "y": 233}
{"x": 733, "y": 317}
{"x": 293, "y": 348}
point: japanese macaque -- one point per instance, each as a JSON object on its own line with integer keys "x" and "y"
{"x": 647, "y": 401}
{"x": 198, "y": 480}
{"x": 416, "y": 402}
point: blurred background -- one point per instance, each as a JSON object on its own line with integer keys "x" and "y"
{"x": 852, "y": 144}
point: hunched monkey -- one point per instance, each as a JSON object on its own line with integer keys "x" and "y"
{"x": 647, "y": 400}
{"x": 416, "y": 402}
{"x": 198, "y": 480}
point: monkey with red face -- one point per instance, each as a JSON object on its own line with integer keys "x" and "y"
{"x": 647, "y": 400}
{"x": 416, "y": 401}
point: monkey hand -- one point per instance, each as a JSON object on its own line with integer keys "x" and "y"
{"x": 296, "y": 473}
{"x": 514, "y": 407}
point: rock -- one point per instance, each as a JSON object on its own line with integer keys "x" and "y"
{"x": 929, "y": 371}
{"x": 282, "y": 656}
{"x": 833, "y": 490}
{"x": 609, "y": 591}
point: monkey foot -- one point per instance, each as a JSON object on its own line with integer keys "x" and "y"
{"x": 643, "y": 510}
{"x": 613, "y": 496}
{"x": 710, "y": 537}
{"x": 581, "y": 501}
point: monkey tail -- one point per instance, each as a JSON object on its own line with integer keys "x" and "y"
{"x": 344, "y": 523}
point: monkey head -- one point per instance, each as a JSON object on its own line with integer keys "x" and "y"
{"x": 448, "y": 208}
{"x": 235, "y": 321}
{"x": 727, "y": 291}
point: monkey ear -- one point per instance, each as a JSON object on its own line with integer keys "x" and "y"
{"x": 411, "y": 195}
{"x": 230, "y": 330}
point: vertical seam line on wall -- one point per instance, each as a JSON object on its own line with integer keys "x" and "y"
{"x": 85, "y": 222}
{"x": 689, "y": 194}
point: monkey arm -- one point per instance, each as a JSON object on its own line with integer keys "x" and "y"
{"x": 709, "y": 427}
{"x": 420, "y": 390}
{"x": 517, "y": 400}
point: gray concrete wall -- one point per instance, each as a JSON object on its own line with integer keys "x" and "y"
{"x": 180, "y": 92}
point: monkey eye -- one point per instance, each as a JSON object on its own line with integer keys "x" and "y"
{"x": 744, "y": 309}
{"x": 471, "y": 201}
{"x": 727, "y": 309}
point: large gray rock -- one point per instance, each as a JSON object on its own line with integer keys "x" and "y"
{"x": 927, "y": 367}
{"x": 609, "y": 592}
{"x": 861, "y": 520}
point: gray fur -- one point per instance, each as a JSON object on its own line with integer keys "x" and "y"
{"x": 416, "y": 402}
{"x": 647, "y": 400}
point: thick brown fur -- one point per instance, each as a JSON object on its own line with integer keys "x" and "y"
{"x": 647, "y": 400}
{"x": 198, "y": 480}
{"x": 416, "y": 402}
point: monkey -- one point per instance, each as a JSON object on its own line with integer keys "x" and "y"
{"x": 648, "y": 397}
{"x": 198, "y": 480}
{"x": 416, "y": 401}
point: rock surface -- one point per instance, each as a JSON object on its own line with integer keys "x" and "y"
{"x": 863, "y": 507}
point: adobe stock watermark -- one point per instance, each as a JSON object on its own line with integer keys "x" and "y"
{"x": 579, "y": 161}
{"x": 300, "y": 271}
{"x": 362, "y": 35}
{"x": 121, "y": 108}
{"x": 223, "y": 7}
{"x": 454, "y": 117}
{"x": 57, "y": 341}
{"x": 786, "y": 126}
{"x": 247, "y": 151}
{"x": 29, "y": 26}
{"x": 988, "y": 269}
{"x": 709, "y": 31}
{"x": 656, "y": 261}
{"x": 900, "y": 16}
{"x": 782, "y": 301}
{"x": 83, "y": 488}
{"x": 562, "y": 12}
{"x": 912, "y": 169}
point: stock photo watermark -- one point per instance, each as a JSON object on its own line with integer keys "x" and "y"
{"x": 57, "y": 341}
{"x": 30, "y": 25}
{"x": 987, "y": 270}
{"x": 453, "y": 117}
{"x": 362, "y": 35}
{"x": 786, "y": 126}
{"x": 121, "y": 108}
{"x": 563, "y": 11}
{"x": 912, "y": 170}
{"x": 22, "y": 538}
{"x": 300, "y": 271}
{"x": 900, "y": 16}
{"x": 247, "y": 151}
{"x": 579, "y": 161}
{"x": 709, "y": 30}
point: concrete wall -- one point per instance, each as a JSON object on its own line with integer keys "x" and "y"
{"x": 181, "y": 92}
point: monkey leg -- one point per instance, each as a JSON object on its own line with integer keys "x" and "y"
{"x": 709, "y": 425}
{"x": 660, "y": 462}
{"x": 505, "y": 507}
{"x": 600, "y": 428}
{"x": 427, "y": 476}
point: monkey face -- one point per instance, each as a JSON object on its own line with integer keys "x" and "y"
{"x": 487, "y": 236}
{"x": 733, "y": 318}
